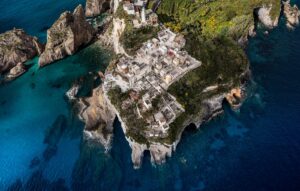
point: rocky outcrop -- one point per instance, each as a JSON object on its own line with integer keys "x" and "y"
{"x": 96, "y": 7}
{"x": 234, "y": 97}
{"x": 118, "y": 28}
{"x": 115, "y": 5}
{"x": 15, "y": 72}
{"x": 291, "y": 13}
{"x": 95, "y": 112}
{"x": 17, "y": 47}
{"x": 66, "y": 36}
{"x": 264, "y": 16}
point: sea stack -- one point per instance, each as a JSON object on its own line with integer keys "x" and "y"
{"x": 66, "y": 35}
{"x": 291, "y": 13}
{"x": 16, "y": 47}
{"x": 96, "y": 7}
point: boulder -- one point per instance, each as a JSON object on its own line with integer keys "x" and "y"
{"x": 17, "y": 47}
{"x": 96, "y": 7}
{"x": 66, "y": 36}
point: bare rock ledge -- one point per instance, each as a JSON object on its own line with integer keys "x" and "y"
{"x": 16, "y": 47}
{"x": 96, "y": 7}
{"x": 66, "y": 36}
{"x": 291, "y": 13}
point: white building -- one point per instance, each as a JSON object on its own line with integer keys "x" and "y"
{"x": 159, "y": 117}
{"x": 129, "y": 8}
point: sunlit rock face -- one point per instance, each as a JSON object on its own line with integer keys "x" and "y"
{"x": 96, "y": 7}
{"x": 291, "y": 13}
{"x": 66, "y": 36}
{"x": 17, "y": 47}
{"x": 264, "y": 16}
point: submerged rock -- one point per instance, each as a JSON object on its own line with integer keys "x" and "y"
{"x": 16, "y": 186}
{"x": 96, "y": 7}
{"x": 34, "y": 162}
{"x": 291, "y": 13}
{"x": 92, "y": 166}
{"x": 66, "y": 36}
{"x": 16, "y": 47}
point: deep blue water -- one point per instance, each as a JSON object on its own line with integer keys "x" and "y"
{"x": 257, "y": 148}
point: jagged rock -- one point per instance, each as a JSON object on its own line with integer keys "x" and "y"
{"x": 16, "y": 71}
{"x": 66, "y": 35}
{"x": 98, "y": 117}
{"x": 265, "y": 18}
{"x": 96, "y": 7}
{"x": 119, "y": 26}
{"x": 17, "y": 47}
{"x": 72, "y": 93}
{"x": 234, "y": 97}
{"x": 292, "y": 14}
{"x": 252, "y": 31}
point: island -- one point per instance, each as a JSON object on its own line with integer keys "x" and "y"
{"x": 175, "y": 63}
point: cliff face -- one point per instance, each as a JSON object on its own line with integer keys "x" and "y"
{"x": 96, "y": 114}
{"x": 264, "y": 16}
{"x": 17, "y": 47}
{"x": 118, "y": 28}
{"x": 66, "y": 35}
{"x": 96, "y": 7}
{"x": 291, "y": 13}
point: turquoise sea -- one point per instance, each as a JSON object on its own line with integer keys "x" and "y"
{"x": 41, "y": 145}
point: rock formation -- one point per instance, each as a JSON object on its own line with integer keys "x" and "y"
{"x": 15, "y": 72}
{"x": 292, "y": 14}
{"x": 234, "y": 97}
{"x": 66, "y": 35}
{"x": 96, "y": 7}
{"x": 96, "y": 114}
{"x": 265, "y": 18}
{"x": 17, "y": 47}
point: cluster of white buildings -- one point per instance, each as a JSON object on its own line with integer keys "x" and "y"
{"x": 137, "y": 8}
{"x": 157, "y": 64}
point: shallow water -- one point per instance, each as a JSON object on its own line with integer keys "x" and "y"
{"x": 257, "y": 148}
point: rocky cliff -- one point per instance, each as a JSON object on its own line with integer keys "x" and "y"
{"x": 96, "y": 114}
{"x": 212, "y": 107}
{"x": 264, "y": 16}
{"x": 17, "y": 47}
{"x": 66, "y": 36}
{"x": 291, "y": 13}
{"x": 96, "y": 7}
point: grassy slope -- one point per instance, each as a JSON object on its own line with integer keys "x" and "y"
{"x": 212, "y": 30}
{"x": 216, "y": 17}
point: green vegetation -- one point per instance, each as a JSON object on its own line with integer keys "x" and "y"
{"x": 216, "y": 17}
{"x": 135, "y": 125}
{"x": 223, "y": 64}
{"x": 212, "y": 29}
{"x": 133, "y": 38}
